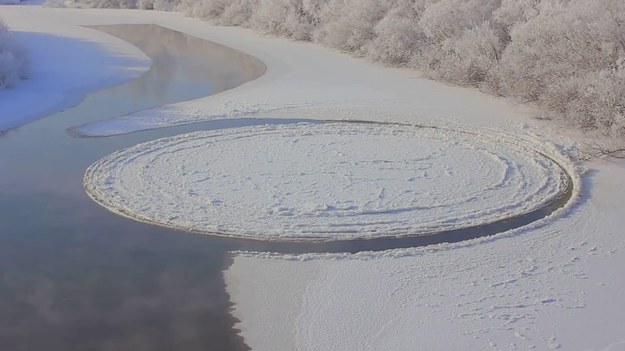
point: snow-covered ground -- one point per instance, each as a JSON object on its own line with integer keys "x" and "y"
{"x": 554, "y": 284}
{"x": 68, "y": 62}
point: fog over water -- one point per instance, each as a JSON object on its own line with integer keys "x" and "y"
{"x": 74, "y": 276}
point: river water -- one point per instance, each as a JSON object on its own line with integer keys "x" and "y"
{"x": 75, "y": 277}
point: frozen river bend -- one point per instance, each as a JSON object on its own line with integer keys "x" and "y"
{"x": 329, "y": 181}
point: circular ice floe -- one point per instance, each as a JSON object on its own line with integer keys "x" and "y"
{"x": 330, "y": 181}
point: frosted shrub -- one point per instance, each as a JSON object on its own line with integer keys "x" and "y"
{"x": 447, "y": 19}
{"x": 398, "y": 40}
{"x": 570, "y": 59}
{"x": 283, "y": 17}
{"x": 270, "y": 16}
{"x": 204, "y": 9}
{"x": 593, "y": 101}
{"x": 8, "y": 69}
{"x": 13, "y": 58}
{"x": 63, "y": 3}
{"x": 551, "y": 48}
{"x": 349, "y": 24}
{"x": 238, "y": 13}
{"x": 567, "y": 58}
{"x": 466, "y": 41}
{"x": 512, "y": 12}
{"x": 161, "y": 5}
{"x": 112, "y": 4}
{"x": 565, "y": 55}
{"x": 303, "y": 18}
{"x": 608, "y": 22}
{"x": 472, "y": 58}
{"x": 145, "y": 4}
{"x": 165, "y": 5}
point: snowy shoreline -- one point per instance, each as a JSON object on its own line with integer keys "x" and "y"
{"x": 566, "y": 56}
{"x": 81, "y": 62}
{"x": 549, "y": 286}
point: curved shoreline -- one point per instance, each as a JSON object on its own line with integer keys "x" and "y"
{"x": 99, "y": 62}
{"x": 219, "y": 63}
{"x": 56, "y": 238}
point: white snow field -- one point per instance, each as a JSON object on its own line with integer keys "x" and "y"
{"x": 68, "y": 62}
{"x": 327, "y": 181}
{"x": 557, "y": 283}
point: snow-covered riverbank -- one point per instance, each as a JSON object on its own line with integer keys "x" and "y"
{"x": 557, "y": 284}
{"x": 68, "y": 62}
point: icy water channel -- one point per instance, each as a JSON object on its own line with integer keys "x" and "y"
{"x": 74, "y": 276}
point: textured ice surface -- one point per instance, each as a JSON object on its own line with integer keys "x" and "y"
{"x": 325, "y": 181}
{"x": 557, "y": 283}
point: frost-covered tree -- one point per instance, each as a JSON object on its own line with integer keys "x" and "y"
{"x": 113, "y": 4}
{"x": 593, "y": 100}
{"x": 238, "y": 13}
{"x": 350, "y": 24}
{"x": 471, "y": 58}
{"x": 608, "y": 22}
{"x": 204, "y": 9}
{"x": 551, "y": 47}
{"x": 564, "y": 40}
{"x": 447, "y": 19}
{"x": 398, "y": 39}
{"x": 467, "y": 41}
{"x": 14, "y": 63}
{"x": 512, "y": 12}
{"x": 291, "y": 18}
{"x": 565, "y": 55}
{"x": 569, "y": 58}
